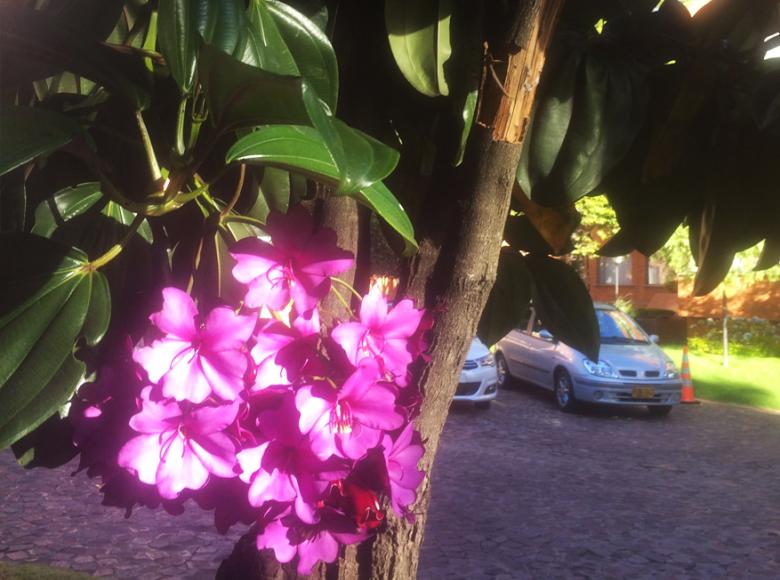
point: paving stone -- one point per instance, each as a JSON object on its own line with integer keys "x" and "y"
{"x": 521, "y": 491}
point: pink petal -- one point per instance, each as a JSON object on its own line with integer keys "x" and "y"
{"x": 270, "y": 486}
{"x": 226, "y": 330}
{"x": 264, "y": 292}
{"x": 311, "y": 408}
{"x": 322, "y": 547}
{"x": 216, "y": 452}
{"x": 360, "y": 381}
{"x": 158, "y": 358}
{"x": 373, "y": 309}
{"x": 224, "y": 372}
{"x": 186, "y": 381}
{"x": 179, "y": 469}
{"x": 308, "y": 323}
{"x": 402, "y": 321}
{"x": 355, "y": 444}
{"x": 349, "y": 335}
{"x": 289, "y": 231}
{"x": 141, "y": 455}
{"x": 306, "y": 498}
{"x": 253, "y": 259}
{"x": 249, "y": 459}
{"x": 396, "y": 356}
{"x": 212, "y": 419}
{"x": 323, "y": 257}
{"x": 274, "y": 536}
{"x": 376, "y": 408}
{"x": 155, "y": 416}
{"x": 177, "y": 317}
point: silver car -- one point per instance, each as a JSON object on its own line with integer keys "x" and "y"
{"x": 478, "y": 376}
{"x": 632, "y": 369}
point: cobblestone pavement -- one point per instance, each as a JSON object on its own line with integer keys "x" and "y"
{"x": 520, "y": 491}
{"x": 525, "y": 491}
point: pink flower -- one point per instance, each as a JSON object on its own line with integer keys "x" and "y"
{"x": 348, "y": 421}
{"x": 178, "y": 449}
{"x": 381, "y": 334}
{"x": 288, "y": 537}
{"x": 273, "y": 338}
{"x": 297, "y": 266}
{"x": 284, "y": 469}
{"x": 401, "y": 459}
{"x": 191, "y": 363}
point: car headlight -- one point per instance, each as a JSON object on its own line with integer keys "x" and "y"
{"x": 487, "y": 360}
{"x": 670, "y": 372}
{"x": 600, "y": 369}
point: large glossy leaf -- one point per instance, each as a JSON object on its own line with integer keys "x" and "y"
{"x": 34, "y": 46}
{"x": 587, "y": 117}
{"x": 220, "y": 23}
{"x": 48, "y": 301}
{"x": 311, "y": 50}
{"x": 412, "y": 31}
{"x": 27, "y": 133}
{"x": 508, "y": 301}
{"x": 261, "y": 43}
{"x": 302, "y": 149}
{"x": 239, "y": 94}
{"x": 71, "y": 202}
{"x": 177, "y": 37}
{"x": 13, "y": 201}
{"x": 361, "y": 160}
{"x": 564, "y": 304}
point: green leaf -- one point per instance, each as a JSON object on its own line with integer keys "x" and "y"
{"x": 360, "y": 159}
{"x": 302, "y": 149}
{"x": 220, "y": 23}
{"x": 261, "y": 43}
{"x": 50, "y": 445}
{"x": 239, "y": 94}
{"x": 34, "y": 46}
{"x": 311, "y": 49}
{"x": 13, "y": 201}
{"x": 48, "y": 301}
{"x": 589, "y": 113}
{"x": 411, "y": 30}
{"x": 770, "y": 254}
{"x": 564, "y": 304}
{"x": 509, "y": 299}
{"x": 72, "y": 202}
{"x": 443, "y": 45}
{"x": 178, "y": 39}
{"x": 27, "y": 133}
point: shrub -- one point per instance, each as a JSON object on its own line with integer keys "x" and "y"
{"x": 747, "y": 336}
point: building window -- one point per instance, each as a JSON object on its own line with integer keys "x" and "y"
{"x": 655, "y": 272}
{"x": 621, "y": 266}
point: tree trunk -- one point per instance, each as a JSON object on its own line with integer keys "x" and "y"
{"x": 460, "y": 230}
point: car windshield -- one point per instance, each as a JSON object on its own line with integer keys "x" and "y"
{"x": 618, "y": 328}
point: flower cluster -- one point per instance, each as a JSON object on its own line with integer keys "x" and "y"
{"x": 311, "y": 427}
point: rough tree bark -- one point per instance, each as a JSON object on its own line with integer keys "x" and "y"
{"x": 460, "y": 230}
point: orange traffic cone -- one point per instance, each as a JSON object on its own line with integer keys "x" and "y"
{"x": 687, "y": 383}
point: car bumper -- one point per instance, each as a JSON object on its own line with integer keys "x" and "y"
{"x": 477, "y": 385}
{"x": 618, "y": 392}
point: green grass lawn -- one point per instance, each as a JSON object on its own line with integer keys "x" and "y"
{"x": 753, "y": 381}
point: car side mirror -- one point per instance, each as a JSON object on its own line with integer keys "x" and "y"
{"x": 654, "y": 338}
{"x": 545, "y": 335}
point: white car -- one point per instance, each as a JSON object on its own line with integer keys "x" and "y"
{"x": 478, "y": 378}
{"x": 631, "y": 370}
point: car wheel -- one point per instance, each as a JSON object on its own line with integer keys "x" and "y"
{"x": 504, "y": 378}
{"x": 660, "y": 410}
{"x": 564, "y": 392}
{"x": 482, "y": 405}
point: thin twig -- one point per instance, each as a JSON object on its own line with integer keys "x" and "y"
{"x": 239, "y": 186}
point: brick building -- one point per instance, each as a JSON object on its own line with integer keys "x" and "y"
{"x": 647, "y": 282}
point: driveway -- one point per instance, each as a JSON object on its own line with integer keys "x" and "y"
{"x": 520, "y": 491}
{"x": 525, "y": 491}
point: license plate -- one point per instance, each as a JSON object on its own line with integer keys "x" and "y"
{"x": 642, "y": 393}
